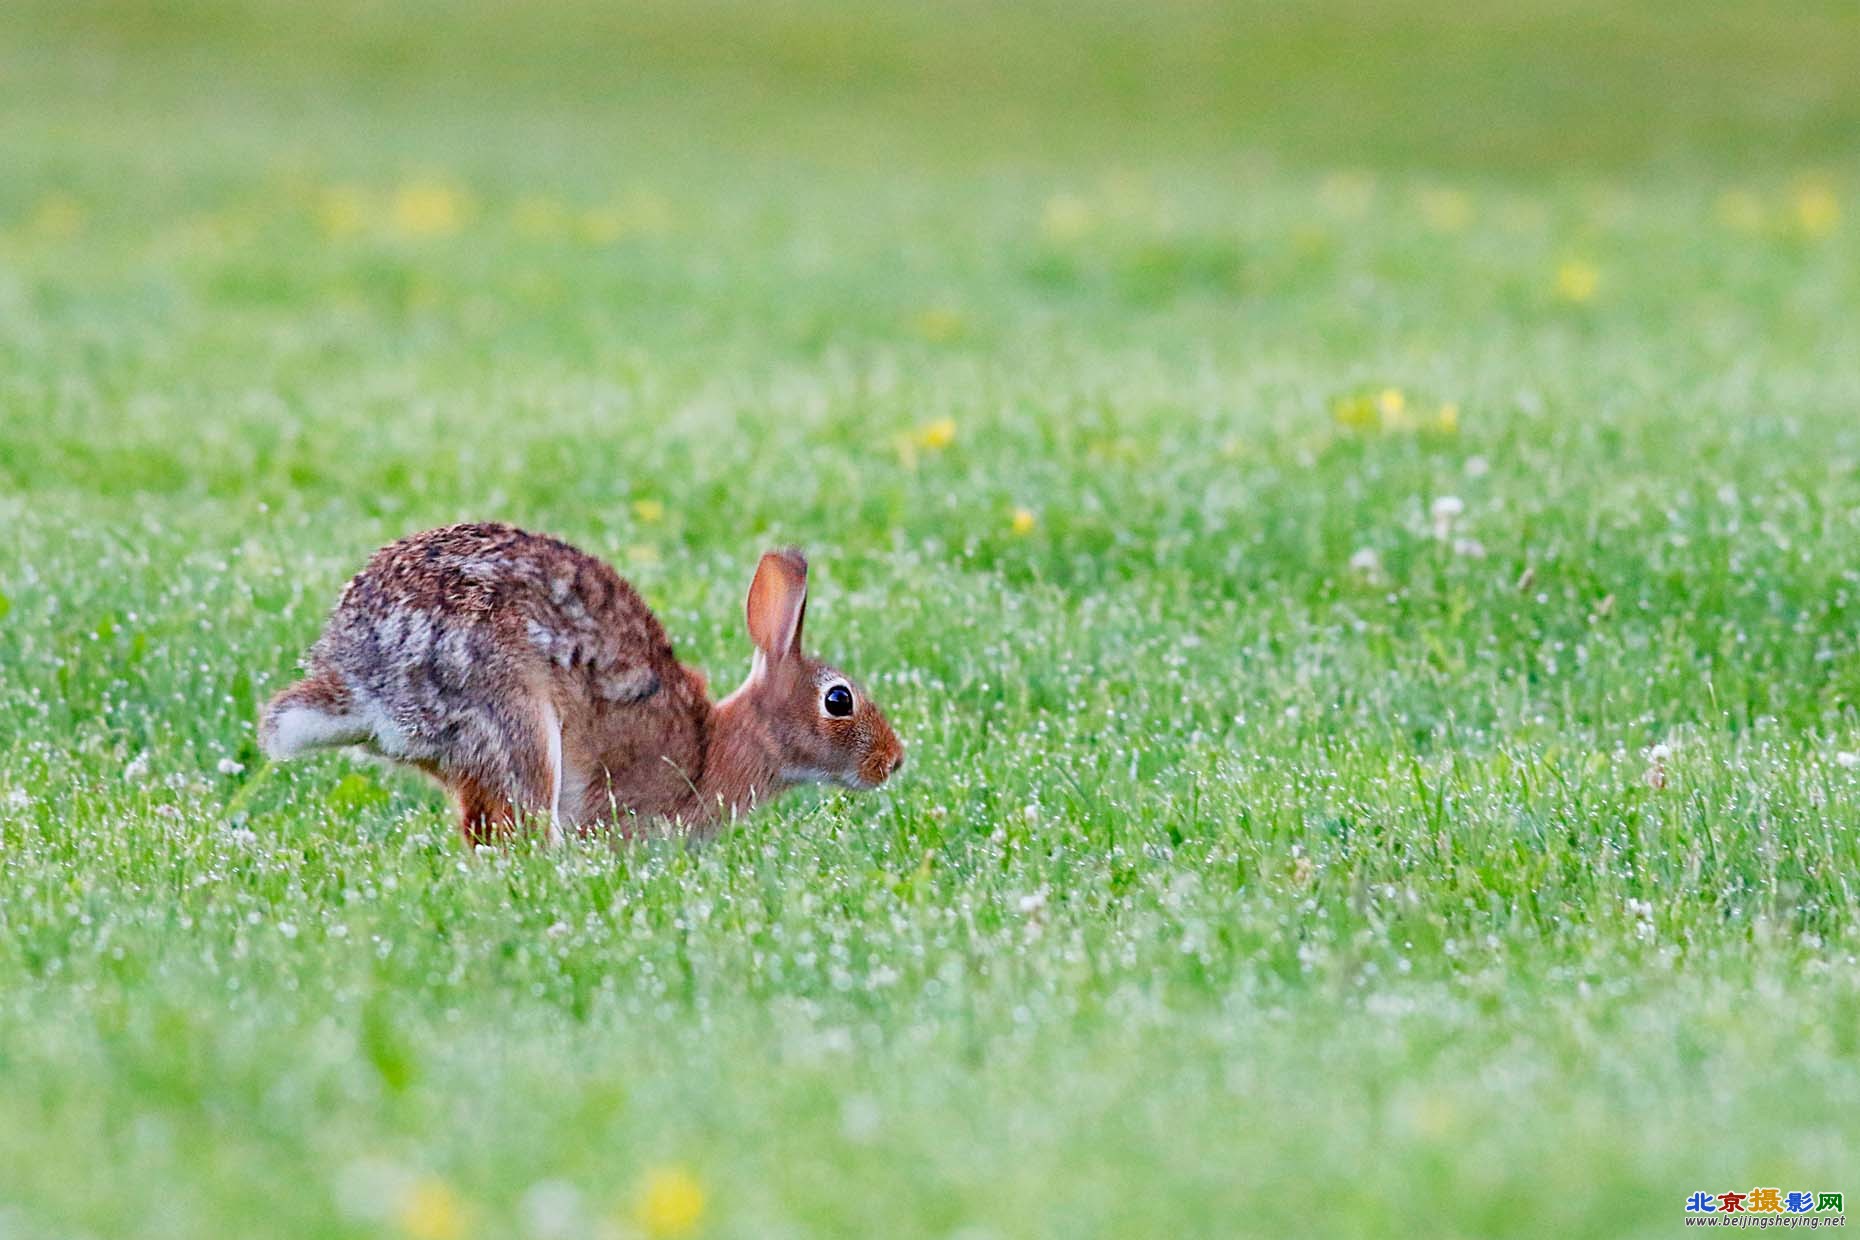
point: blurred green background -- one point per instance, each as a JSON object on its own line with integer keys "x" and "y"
{"x": 1537, "y": 89}
{"x": 1352, "y": 506}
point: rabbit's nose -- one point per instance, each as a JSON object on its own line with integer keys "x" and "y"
{"x": 897, "y": 762}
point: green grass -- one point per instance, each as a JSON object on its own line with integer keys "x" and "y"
{"x": 1241, "y": 881}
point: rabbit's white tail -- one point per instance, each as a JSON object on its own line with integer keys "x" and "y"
{"x": 315, "y": 713}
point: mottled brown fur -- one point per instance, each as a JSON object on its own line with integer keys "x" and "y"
{"x": 531, "y": 680}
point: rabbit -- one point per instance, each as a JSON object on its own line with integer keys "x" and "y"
{"x": 534, "y": 684}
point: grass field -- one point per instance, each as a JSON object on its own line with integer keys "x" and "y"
{"x": 1355, "y": 509}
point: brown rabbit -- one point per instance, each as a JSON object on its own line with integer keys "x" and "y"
{"x": 531, "y": 680}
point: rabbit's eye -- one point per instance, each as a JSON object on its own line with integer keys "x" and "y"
{"x": 838, "y": 701}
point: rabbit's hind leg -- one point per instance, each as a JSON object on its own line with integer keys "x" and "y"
{"x": 486, "y": 815}
{"x": 518, "y": 778}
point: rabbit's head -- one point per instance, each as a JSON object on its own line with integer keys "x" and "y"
{"x": 824, "y": 728}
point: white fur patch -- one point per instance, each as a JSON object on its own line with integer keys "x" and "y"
{"x": 552, "y": 729}
{"x": 299, "y": 729}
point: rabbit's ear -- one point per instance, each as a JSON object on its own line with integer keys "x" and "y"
{"x": 777, "y": 603}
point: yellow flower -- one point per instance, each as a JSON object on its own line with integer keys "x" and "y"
{"x": 650, "y": 511}
{"x": 1118, "y": 449}
{"x": 537, "y": 216}
{"x": 341, "y": 211}
{"x": 1024, "y": 521}
{"x": 1741, "y": 211}
{"x": 1310, "y": 241}
{"x": 939, "y": 324}
{"x": 601, "y": 226}
{"x": 1817, "y": 210}
{"x": 1130, "y": 192}
{"x": 1356, "y": 413}
{"x": 537, "y": 286}
{"x": 231, "y": 226}
{"x": 671, "y": 1202}
{"x": 58, "y": 216}
{"x": 1066, "y": 218}
{"x": 1387, "y": 410}
{"x": 647, "y": 212}
{"x": 424, "y": 294}
{"x": 1445, "y": 210}
{"x": 1347, "y": 194}
{"x": 430, "y": 1210}
{"x": 1577, "y": 281}
{"x": 938, "y": 434}
{"x": 1432, "y": 1116}
{"x": 428, "y": 209}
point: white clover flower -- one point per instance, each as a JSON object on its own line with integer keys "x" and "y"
{"x": 552, "y": 1210}
{"x": 1847, "y": 760}
{"x": 366, "y": 1189}
{"x": 1446, "y": 511}
{"x": 860, "y": 1118}
{"x": 1367, "y": 561}
{"x": 1655, "y": 774}
{"x": 138, "y": 769}
{"x": 230, "y": 767}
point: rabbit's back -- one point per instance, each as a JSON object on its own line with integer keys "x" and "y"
{"x": 445, "y": 632}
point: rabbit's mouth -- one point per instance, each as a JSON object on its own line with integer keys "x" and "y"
{"x": 879, "y": 766}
